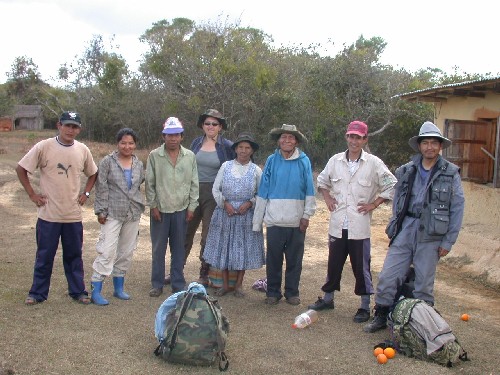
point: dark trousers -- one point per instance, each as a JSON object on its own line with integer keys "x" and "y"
{"x": 287, "y": 243}
{"x": 202, "y": 214}
{"x": 171, "y": 227}
{"x": 47, "y": 239}
{"x": 359, "y": 255}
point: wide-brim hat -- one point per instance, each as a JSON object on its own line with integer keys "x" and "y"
{"x": 212, "y": 113}
{"x": 289, "y": 129}
{"x": 428, "y": 130}
{"x": 245, "y": 137}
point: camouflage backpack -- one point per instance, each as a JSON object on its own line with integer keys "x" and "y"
{"x": 195, "y": 332}
{"x": 410, "y": 343}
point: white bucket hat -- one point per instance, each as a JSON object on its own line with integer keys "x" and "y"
{"x": 428, "y": 130}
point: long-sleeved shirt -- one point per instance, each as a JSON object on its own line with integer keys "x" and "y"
{"x": 286, "y": 192}
{"x": 172, "y": 188}
{"x": 112, "y": 195}
{"x": 370, "y": 180}
{"x": 238, "y": 170}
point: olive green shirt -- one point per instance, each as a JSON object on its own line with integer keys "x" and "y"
{"x": 172, "y": 188}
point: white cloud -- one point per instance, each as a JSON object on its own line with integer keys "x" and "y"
{"x": 428, "y": 33}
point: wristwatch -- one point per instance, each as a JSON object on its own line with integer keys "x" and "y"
{"x": 87, "y": 194}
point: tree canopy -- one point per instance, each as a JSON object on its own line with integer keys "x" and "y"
{"x": 189, "y": 67}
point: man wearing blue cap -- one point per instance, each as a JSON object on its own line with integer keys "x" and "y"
{"x": 172, "y": 195}
{"x": 61, "y": 161}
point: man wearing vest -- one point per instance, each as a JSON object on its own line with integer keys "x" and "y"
{"x": 428, "y": 207}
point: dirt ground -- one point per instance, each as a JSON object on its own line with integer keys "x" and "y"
{"x": 60, "y": 336}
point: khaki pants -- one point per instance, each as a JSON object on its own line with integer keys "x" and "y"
{"x": 115, "y": 248}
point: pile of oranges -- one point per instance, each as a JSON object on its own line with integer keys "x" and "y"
{"x": 383, "y": 355}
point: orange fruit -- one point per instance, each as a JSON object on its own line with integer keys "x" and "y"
{"x": 378, "y": 350}
{"x": 389, "y": 352}
{"x": 381, "y": 358}
{"x": 465, "y": 317}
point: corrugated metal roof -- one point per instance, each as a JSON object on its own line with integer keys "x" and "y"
{"x": 477, "y": 88}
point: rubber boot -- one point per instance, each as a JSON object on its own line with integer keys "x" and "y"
{"x": 96, "y": 296}
{"x": 205, "y": 267}
{"x": 118, "y": 284}
{"x": 379, "y": 320}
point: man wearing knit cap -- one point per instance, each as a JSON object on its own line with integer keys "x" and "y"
{"x": 172, "y": 195}
{"x": 353, "y": 184}
{"x": 427, "y": 215}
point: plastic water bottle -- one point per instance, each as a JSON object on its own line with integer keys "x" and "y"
{"x": 305, "y": 319}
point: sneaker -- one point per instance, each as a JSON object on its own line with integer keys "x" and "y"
{"x": 361, "y": 316}
{"x": 295, "y": 300}
{"x": 155, "y": 292}
{"x": 271, "y": 300}
{"x": 321, "y": 304}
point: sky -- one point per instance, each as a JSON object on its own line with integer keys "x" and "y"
{"x": 426, "y": 34}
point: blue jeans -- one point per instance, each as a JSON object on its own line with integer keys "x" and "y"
{"x": 47, "y": 239}
{"x": 287, "y": 243}
{"x": 171, "y": 227}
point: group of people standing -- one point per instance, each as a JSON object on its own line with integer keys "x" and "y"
{"x": 215, "y": 183}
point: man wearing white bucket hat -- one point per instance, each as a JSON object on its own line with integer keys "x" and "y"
{"x": 172, "y": 195}
{"x": 428, "y": 207}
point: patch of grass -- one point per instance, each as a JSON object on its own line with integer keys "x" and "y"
{"x": 459, "y": 262}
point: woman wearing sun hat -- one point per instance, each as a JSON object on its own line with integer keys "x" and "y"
{"x": 231, "y": 243}
{"x": 211, "y": 150}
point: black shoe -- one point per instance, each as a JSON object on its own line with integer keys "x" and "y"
{"x": 361, "y": 316}
{"x": 321, "y": 304}
{"x": 379, "y": 322}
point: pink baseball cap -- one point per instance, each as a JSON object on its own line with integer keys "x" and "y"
{"x": 357, "y": 127}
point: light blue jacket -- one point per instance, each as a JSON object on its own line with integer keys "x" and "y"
{"x": 286, "y": 193}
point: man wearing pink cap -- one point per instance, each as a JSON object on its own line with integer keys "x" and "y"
{"x": 353, "y": 184}
{"x": 172, "y": 195}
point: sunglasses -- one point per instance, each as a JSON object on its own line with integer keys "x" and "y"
{"x": 211, "y": 123}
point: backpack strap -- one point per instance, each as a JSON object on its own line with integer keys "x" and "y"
{"x": 185, "y": 305}
{"x": 223, "y": 362}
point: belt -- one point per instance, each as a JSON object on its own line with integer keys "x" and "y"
{"x": 413, "y": 214}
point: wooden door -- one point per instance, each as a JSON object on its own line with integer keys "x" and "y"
{"x": 470, "y": 140}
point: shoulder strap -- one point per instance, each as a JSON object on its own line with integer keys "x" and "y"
{"x": 185, "y": 305}
{"x": 223, "y": 362}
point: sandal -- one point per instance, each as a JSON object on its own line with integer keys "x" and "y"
{"x": 83, "y": 299}
{"x": 220, "y": 292}
{"x": 30, "y": 301}
{"x": 239, "y": 293}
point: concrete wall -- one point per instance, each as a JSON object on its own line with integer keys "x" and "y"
{"x": 465, "y": 108}
{"x": 477, "y": 251}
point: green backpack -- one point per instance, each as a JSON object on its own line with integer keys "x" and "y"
{"x": 195, "y": 332}
{"x": 410, "y": 343}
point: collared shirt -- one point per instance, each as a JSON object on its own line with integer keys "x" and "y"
{"x": 172, "y": 188}
{"x": 113, "y": 197}
{"x": 370, "y": 180}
